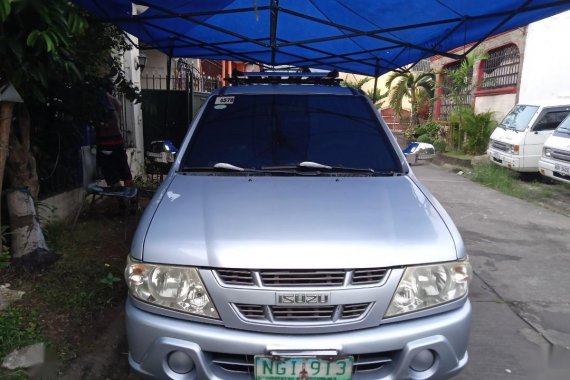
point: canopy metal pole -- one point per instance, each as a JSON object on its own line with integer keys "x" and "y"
{"x": 273, "y": 30}
{"x": 168, "y": 74}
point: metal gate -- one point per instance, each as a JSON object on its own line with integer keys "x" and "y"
{"x": 168, "y": 113}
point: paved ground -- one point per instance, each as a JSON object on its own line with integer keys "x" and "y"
{"x": 521, "y": 291}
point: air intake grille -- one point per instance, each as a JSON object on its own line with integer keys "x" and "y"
{"x": 236, "y": 276}
{"x": 368, "y": 276}
{"x": 500, "y": 146}
{"x": 294, "y": 278}
{"x": 251, "y": 311}
{"x": 561, "y": 155}
{"x": 302, "y": 314}
{"x": 354, "y": 310}
{"x": 245, "y": 363}
{"x": 298, "y": 278}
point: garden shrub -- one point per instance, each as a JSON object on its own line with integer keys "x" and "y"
{"x": 475, "y": 129}
{"x": 440, "y": 145}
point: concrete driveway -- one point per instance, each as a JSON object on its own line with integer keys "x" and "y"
{"x": 521, "y": 292}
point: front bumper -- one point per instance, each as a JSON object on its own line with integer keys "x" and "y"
{"x": 549, "y": 168}
{"x": 505, "y": 159}
{"x": 152, "y": 338}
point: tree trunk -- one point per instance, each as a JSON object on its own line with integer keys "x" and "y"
{"x": 21, "y": 164}
{"x": 28, "y": 247}
{"x": 6, "y": 111}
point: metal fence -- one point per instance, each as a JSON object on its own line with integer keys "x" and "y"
{"x": 200, "y": 83}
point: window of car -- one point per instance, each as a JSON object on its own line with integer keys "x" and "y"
{"x": 519, "y": 117}
{"x": 550, "y": 119}
{"x": 259, "y": 131}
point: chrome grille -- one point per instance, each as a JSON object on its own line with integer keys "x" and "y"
{"x": 353, "y": 311}
{"x": 245, "y": 363}
{"x": 251, "y": 311}
{"x": 301, "y": 314}
{"x": 368, "y": 276}
{"x": 500, "y": 146}
{"x": 236, "y": 276}
{"x": 560, "y": 155}
{"x": 292, "y": 278}
{"x": 302, "y": 277}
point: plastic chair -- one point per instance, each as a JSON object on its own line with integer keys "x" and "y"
{"x": 93, "y": 188}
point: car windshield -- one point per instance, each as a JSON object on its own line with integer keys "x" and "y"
{"x": 265, "y": 131}
{"x": 518, "y": 118}
{"x": 564, "y": 128}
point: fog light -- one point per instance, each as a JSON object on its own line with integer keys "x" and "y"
{"x": 180, "y": 362}
{"x": 423, "y": 361}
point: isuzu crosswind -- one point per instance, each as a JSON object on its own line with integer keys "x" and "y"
{"x": 291, "y": 240}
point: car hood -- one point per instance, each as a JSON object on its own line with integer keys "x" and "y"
{"x": 296, "y": 222}
{"x": 508, "y": 136}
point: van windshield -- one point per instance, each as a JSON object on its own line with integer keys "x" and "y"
{"x": 264, "y": 131}
{"x": 518, "y": 118}
{"x": 563, "y": 129}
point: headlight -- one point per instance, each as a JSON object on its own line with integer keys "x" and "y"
{"x": 514, "y": 149}
{"x": 178, "y": 288}
{"x": 430, "y": 285}
{"x": 547, "y": 152}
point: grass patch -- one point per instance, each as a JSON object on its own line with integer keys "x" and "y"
{"x": 73, "y": 300}
{"x": 18, "y": 328}
{"x": 508, "y": 182}
{"x": 459, "y": 155}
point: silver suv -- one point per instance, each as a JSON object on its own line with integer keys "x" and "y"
{"x": 291, "y": 240}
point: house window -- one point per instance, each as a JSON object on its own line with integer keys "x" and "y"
{"x": 501, "y": 69}
{"x": 449, "y": 100}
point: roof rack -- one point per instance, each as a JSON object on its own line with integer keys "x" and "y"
{"x": 286, "y": 77}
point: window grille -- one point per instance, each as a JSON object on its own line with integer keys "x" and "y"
{"x": 501, "y": 69}
{"x": 447, "y": 100}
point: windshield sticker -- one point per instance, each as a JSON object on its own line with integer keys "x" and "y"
{"x": 225, "y": 100}
{"x": 220, "y": 106}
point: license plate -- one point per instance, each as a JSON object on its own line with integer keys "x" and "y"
{"x": 302, "y": 368}
{"x": 562, "y": 169}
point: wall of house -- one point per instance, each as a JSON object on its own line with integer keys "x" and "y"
{"x": 498, "y": 101}
{"x": 500, "y": 105}
{"x": 545, "y": 73}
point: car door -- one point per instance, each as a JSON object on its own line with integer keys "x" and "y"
{"x": 545, "y": 124}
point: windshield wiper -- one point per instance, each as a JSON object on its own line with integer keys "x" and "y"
{"x": 220, "y": 166}
{"x": 328, "y": 168}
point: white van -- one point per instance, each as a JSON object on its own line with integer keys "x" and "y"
{"x": 555, "y": 161}
{"x": 517, "y": 142}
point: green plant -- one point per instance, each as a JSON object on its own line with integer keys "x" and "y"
{"x": 474, "y": 129}
{"x": 440, "y": 145}
{"x": 5, "y": 253}
{"x": 416, "y": 87}
{"x": 427, "y": 132}
{"x": 109, "y": 280}
{"x": 425, "y": 138}
{"x": 18, "y": 328}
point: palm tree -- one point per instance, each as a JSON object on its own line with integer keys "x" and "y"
{"x": 376, "y": 97}
{"x": 414, "y": 86}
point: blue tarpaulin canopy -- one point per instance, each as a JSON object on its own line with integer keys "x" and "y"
{"x": 360, "y": 36}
